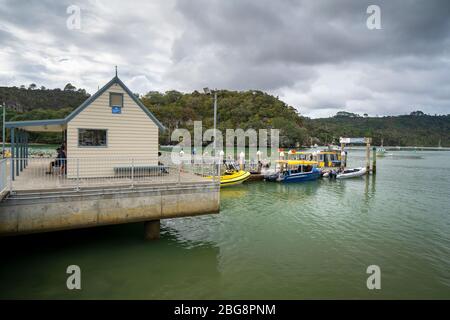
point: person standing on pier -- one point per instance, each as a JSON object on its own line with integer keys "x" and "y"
{"x": 59, "y": 162}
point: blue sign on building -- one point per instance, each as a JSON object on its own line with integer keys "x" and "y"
{"x": 116, "y": 109}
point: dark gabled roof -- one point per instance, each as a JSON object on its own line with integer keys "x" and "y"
{"x": 84, "y": 105}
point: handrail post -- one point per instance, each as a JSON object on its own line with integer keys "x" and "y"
{"x": 13, "y": 153}
{"x": 203, "y": 169}
{"x": 11, "y": 174}
{"x": 132, "y": 173}
{"x": 218, "y": 173}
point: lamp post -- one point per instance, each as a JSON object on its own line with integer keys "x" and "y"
{"x": 208, "y": 91}
{"x": 215, "y": 120}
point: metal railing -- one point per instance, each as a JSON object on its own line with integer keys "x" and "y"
{"x": 251, "y": 165}
{"x": 78, "y": 173}
{"x": 3, "y": 176}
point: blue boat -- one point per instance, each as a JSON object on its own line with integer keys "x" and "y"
{"x": 295, "y": 176}
{"x": 295, "y": 171}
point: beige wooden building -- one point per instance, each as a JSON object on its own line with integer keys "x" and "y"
{"x": 101, "y": 136}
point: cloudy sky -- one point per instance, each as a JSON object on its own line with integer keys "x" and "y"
{"x": 318, "y": 56}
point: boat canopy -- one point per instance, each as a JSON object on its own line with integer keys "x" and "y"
{"x": 303, "y": 152}
{"x": 298, "y": 162}
{"x": 317, "y": 152}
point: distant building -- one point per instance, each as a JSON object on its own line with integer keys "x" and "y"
{"x": 15, "y": 107}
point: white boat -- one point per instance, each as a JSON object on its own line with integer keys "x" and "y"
{"x": 381, "y": 152}
{"x": 351, "y": 173}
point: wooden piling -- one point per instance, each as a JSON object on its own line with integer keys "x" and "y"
{"x": 374, "y": 160}
{"x": 367, "y": 157}
{"x": 343, "y": 157}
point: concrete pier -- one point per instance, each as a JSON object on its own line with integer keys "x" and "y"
{"x": 152, "y": 229}
{"x": 50, "y": 210}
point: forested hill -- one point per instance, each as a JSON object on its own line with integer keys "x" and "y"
{"x": 416, "y": 129}
{"x": 249, "y": 109}
{"x": 245, "y": 109}
{"x": 256, "y": 109}
{"x": 23, "y": 99}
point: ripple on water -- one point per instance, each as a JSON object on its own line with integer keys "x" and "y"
{"x": 271, "y": 240}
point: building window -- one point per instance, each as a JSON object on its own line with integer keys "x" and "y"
{"x": 92, "y": 137}
{"x": 116, "y": 102}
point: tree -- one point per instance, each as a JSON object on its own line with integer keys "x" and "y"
{"x": 404, "y": 130}
{"x": 173, "y": 95}
{"x": 32, "y": 86}
{"x": 69, "y": 87}
{"x": 417, "y": 113}
{"x": 347, "y": 114}
{"x": 246, "y": 110}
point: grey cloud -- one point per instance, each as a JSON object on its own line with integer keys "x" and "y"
{"x": 309, "y": 32}
{"x": 318, "y": 55}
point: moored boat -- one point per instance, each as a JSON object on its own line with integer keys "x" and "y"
{"x": 230, "y": 178}
{"x": 328, "y": 158}
{"x": 381, "y": 152}
{"x": 295, "y": 171}
{"x": 271, "y": 176}
{"x": 233, "y": 175}
{"x": 351, "y": 173}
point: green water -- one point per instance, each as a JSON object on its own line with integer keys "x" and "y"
{"x": 309, "y": 240}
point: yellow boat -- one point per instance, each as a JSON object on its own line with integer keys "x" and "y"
{"x": 331, "y": 158}
{"x": 233, "y": 175}
{"x": 231, "y": 178}
{"x": 298, "y": 162}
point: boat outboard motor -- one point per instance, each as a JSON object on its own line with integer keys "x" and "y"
{"x": 333, "y": 174}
